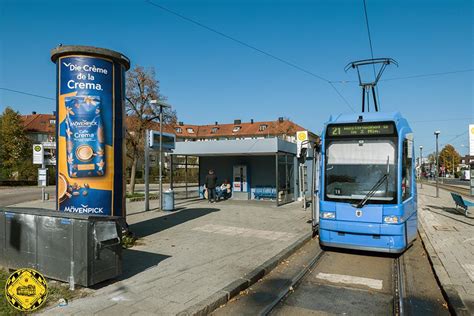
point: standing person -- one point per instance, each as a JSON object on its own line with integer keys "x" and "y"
{"x": 210, "y": 183}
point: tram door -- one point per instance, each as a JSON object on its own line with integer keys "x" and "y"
{"x": 408, "y": 188}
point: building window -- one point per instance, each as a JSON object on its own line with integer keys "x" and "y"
{"x": 179, "y": 130}
{"x": 236, "y": 129}
{"x": 214, "y": 130}
{"x": 262, "y": 127}
{"x": 52, "y": 122}
{"x": 190, "y": 130}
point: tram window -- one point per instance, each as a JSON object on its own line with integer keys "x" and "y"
{"x": 353, "y": 167}
{"x": 406, "y": 170}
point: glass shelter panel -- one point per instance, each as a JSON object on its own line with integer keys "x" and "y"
{"x": 185, "y": 176}
{"x": 285, "y": 179}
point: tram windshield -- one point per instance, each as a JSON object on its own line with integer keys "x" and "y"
{"x": 354, "y": 166}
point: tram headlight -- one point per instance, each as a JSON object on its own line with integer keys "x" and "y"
{"x": 328, "y": 215}
{"x": 392, "y": 219}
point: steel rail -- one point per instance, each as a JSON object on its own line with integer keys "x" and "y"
{"x": 453, "y": 188}
{"x": 294, "y": 283}
{"x": 398, "y": 286}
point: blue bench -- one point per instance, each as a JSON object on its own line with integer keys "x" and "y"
{"x": 264, "y": 192}
{"x": 459, "y": 201}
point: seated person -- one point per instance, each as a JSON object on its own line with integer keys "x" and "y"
{"x": 225, "y": 189}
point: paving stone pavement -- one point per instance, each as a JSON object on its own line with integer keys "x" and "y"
{"x": 451, "y": 234}
{"x": 186, "y": 256}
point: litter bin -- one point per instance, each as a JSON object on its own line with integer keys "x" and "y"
{"x": 63, "y": 246}
{"x": 168, "y": 200}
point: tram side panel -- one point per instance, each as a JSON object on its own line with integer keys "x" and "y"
{"x": 407, "y": 189}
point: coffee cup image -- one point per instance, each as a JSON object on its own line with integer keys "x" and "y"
{"x": 62, "y": 188}
{"x": 84, "y": 153}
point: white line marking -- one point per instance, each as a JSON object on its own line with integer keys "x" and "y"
{"x": 348, "y": 279}
{"x": 245, "y": 232}
{"x": 469, "y": 268}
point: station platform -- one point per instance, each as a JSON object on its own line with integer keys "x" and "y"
{"x": 186, "y": 256}
{"x": 448, "y": 236}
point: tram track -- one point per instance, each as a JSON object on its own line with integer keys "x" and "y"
{"x": 296, "y": 280}
{"x": 398, "y": 282}
{"x": 452, "y": 188}
{"x": 333, "y": 281}
{"x": 398, "y": 286}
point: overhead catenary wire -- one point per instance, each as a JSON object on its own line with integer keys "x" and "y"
{"x": 27, "y": 93}
{"x": 444, "y": 120}
{"x": 448, "y": 141}
{"x": 252, "y": 47}
{"x": 435, "y": 74}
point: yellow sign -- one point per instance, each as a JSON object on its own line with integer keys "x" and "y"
{"x": 302, "y": 135}
{"x": 26, "y": 290}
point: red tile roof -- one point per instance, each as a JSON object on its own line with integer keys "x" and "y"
{"x": 39, "y": 123}
{"x": 246, "y": 129}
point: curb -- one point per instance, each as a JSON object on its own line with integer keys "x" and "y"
{"x": 141, "y": 199}
{"x": 221, "y": 297}
{"x": 455, "y": 303}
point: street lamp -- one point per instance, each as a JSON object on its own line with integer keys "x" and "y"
{"x": 437, "y": 162}
{"x": 162, "y": 105}
{"x": 421, "y": 167}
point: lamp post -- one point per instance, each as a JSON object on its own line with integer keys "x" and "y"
{"x": 162, "y": 105}
{"x": 437, "y": 163}
{"x": 421, "y": 167}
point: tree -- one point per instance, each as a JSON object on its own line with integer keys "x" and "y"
{"x": 15, "y": 147}
{"x": 142, "y": 87}
{"x": 449, "y": 158}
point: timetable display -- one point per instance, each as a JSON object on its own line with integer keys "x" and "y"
{"x": 361, "y": 129}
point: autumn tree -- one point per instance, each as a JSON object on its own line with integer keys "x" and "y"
{"x": 449, "y": 158}
{"x": 142, "y": 87}
{"x": 15, "y": 147}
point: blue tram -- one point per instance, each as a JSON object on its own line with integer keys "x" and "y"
{"x": 367, "y": 196}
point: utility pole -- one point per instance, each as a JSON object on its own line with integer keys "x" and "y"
{"x": 437, "y": 163}
{"x": 43, "y": 191}
{"x": 161, "y": 105}
{"x": 147, "y": 170}
{"x": 421, "y": 167}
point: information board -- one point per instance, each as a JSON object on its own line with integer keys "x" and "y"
{"x": 361, "y": 129}
{"x": 168, "y": 140}
{"x": 38, "y": 154}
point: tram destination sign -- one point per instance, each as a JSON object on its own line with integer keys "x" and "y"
{"x": 364, "y": 129}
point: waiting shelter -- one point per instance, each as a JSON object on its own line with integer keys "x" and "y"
{"x": 257, "y": 169}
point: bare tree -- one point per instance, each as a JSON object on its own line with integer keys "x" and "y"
{"x": 142, "y": 87}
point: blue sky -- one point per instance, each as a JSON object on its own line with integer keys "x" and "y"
{"x": 208, "y": 78}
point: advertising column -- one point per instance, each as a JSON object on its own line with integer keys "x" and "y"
{"x": 90, "y": 130}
